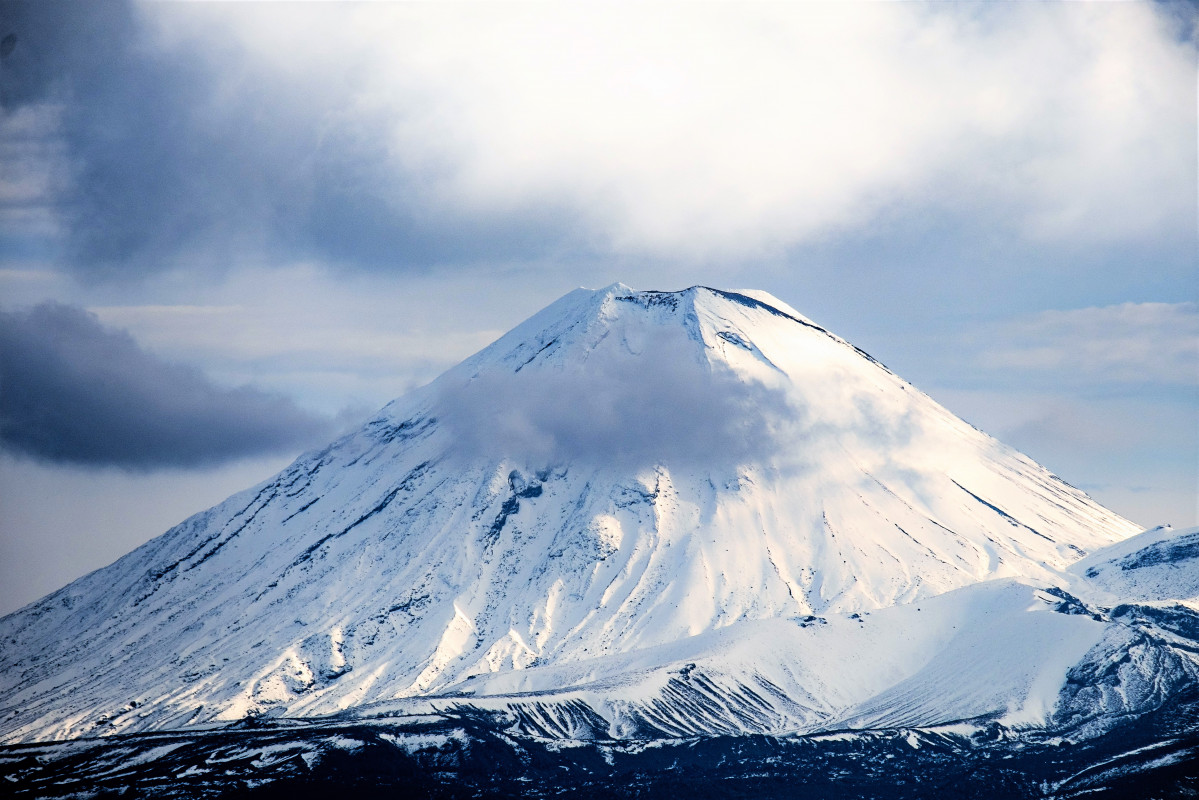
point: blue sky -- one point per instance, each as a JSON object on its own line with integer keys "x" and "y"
{"x": 270, "y": 219}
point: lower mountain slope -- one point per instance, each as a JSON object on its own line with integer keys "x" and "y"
{"x": 999, "y": 690}
{"x": 998, "y": 652}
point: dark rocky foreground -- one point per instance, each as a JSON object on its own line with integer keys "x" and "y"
{"x": 466, "y": 757}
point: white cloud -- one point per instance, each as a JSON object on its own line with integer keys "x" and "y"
{"x": 34, "y": 170}
{"x": 1143, "y": 343}
{"x": 711, "y": 130}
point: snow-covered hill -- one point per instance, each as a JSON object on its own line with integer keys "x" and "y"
{"x": 1157, "y": 566}
{"x": 676, "y": 513}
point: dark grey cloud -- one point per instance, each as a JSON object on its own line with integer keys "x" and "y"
{"x": 662, "y": 406}
{"x": 74, "y": 391}
{"x": 189, "y": 155}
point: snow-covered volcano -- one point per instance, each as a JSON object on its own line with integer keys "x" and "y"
{"x": 623, "y": 471}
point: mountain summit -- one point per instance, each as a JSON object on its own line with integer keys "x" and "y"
{"x": 624, "y": 479}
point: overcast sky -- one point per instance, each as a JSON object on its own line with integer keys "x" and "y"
{"x": 270, "y": 219}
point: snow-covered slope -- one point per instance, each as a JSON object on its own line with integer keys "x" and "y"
{"x": 992, "y": 651}
{"x": 1159, "y": 565}
{"x": 622, "y": 472}
{"x": 1000, "y": 651}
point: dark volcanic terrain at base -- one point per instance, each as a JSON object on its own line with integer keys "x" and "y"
{"x": 471, "y": 756}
